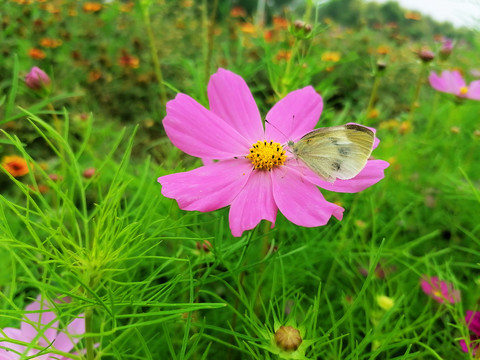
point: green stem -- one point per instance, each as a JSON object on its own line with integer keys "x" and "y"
{"x": 210, "y": 26}
{"x": 417, "y": 92}
{"x": 432, "y": 113}
{"x": 89, "y": 339}
{"x": 154, "y": 53}
{"x": 373, "y": 94}
{"x": 284, "y": 86}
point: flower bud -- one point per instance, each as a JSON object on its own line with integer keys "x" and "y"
{"x": 446, "y": 49}
{"x": 88, "y": 173}
{"x": 385, "y": 302}
{"x": 426, "y": 55}
{"x": 288, "y": 338}
{"x": 37, "y": 79}
{"x": 300, "y": 29}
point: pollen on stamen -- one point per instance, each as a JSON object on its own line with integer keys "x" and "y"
{"x": 463, "y": 90}
{"x": 266, "y": 155}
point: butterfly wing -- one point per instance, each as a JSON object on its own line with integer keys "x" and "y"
{"x": 338, "y": 152}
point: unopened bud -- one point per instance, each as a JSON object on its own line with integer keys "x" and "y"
{"x": 88, "y": 173}
{"x": 37, "y": 79}
{"x": 288, "y": 338}
{"x": 426, "y": 55}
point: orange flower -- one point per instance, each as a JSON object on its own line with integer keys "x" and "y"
{"x": 373, "y": 114}
{"x": 238, "y": 11}
{"x": 333, "y": 56}
{"x": 279, "y": 22}
{"x": 383, "y": 50}
{"x": 15, "y": 165}
{"x": 248, "y": 28}
{"x": 283, "y": 55}
{"x": 50, "y": 43}
{"x": 127, "y": 7}
{"x": 186, "y": 3}
{"x": 94, "y": 75}
{"x": 128, "y": 61}
{"x": 36, "y": 54}
{"x": 268, "y": 35}
{"x": 92, "y": 7}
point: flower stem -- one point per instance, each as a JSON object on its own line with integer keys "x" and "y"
{"x": 417, "y": 92}
{"x": 154, "y": 54}
{"x": 285, "y": 81}
{"x": 373, "y": 94}
{"x": 89, "y": 339}
{"x": 210, "y": 29}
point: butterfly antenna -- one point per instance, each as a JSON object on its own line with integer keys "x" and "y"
{"x": 276, "y": 128}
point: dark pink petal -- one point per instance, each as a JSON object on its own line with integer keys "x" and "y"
{"x": 294, "y": 116}
{"x": 66, "y": 341}
{"x": 473, "y": 321}
{"x": 199, "y": 132}
{"x": 474, "y": 90}
{"x": 254, "y": 203}
{"x": 426, "y": 285}
{"x": 40, "y": 321}
{"x": 301, "y": 201}
{"x": 209, "y": 187}
{"x": 372, "y": 173}
{"x": 231, "y": 99}
{"x": 464, "y": 346}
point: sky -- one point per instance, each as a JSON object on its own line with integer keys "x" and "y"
{"x": 458, "y": 12}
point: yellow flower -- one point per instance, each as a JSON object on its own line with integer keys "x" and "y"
{"x": 332, "y": 56}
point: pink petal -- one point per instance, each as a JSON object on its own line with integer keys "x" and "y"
{"x": 464, "y": 346}
{"x": 474, "y": 90}
{"x": 40, "y": 322}
{"x": 436, "y": 82}
{"x": 455, "y": 82}
{"x": 15, "y": 334}
{"x": 231, "y": 99}
{"x": 254, "y": 203}
{"x": 300, "y": 201}
{"x": 294, "y": 116}
{"x": 65, "y": 341}
{"x": 372, "y": 173}
{"x": 209, "y": 187}
{"x": 199, "y": 132}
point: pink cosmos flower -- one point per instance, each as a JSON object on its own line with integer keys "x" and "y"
{"x": 453, "y": 83}
{"x": 228, "y": 132}
{"x": 473, "y": 321}
{"x": 36, "y": 79}
{"x": 40, "y": 328}
{"x": 438, "y": 290}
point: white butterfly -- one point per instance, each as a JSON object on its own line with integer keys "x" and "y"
{"x": 337, "y": 152}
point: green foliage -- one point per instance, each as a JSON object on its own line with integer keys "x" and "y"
{"x": 157, "y": 282}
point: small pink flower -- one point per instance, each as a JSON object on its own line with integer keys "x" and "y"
{"x": 37, "y": 79}
{"x": 453, "y": 83}
{"x": 473, "y": 322}
{"x": 40, "y": 327}
{"x": 227, "y": 133}
{"x": 438, "y": 290}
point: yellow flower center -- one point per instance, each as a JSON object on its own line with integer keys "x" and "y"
{"x": 463, "y": 90}
{"x": 265, "y": 155}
